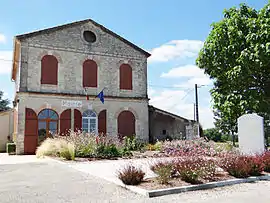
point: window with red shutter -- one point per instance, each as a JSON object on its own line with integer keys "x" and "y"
{"x": 125, "y": 77}
{"x": 49, "y": 70}
{"x": 89, "y": 73}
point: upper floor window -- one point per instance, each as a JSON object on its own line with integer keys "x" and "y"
{"x": 125, "y": 77}
{"x": 89, "y": 73}
{"x": 49, "y": 70}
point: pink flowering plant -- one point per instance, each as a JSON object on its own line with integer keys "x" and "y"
{"x": 91, "y": 145}
{"x": 266, "y": 161}
{"x": 242, "y": 166}
{"x": 196, "y": 147}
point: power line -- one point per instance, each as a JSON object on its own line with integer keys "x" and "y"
{"x": 187, "y": 93}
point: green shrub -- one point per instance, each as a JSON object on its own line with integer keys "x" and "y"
{"x": 164, "y": 171}
{"x": 11, "y": 148}
{"x": 130, "y": 175}
{"x": 132, "y": 144}
{"x": 107, "y": 151}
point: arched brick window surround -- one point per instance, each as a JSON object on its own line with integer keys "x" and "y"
{"x": 125, "y": 77}
{"x": 49, "y": 70}
{"x": 90, "y": 73}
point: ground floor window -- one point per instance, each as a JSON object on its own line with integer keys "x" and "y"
{"x": 47, "y": 124}
{"x": 89, "y": 121}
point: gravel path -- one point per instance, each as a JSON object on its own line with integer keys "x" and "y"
{"x": 54, "y": 183}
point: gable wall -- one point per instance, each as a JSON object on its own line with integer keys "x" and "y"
{"x": 71, "y": 50}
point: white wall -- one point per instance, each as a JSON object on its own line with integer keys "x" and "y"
{"x": 6, "y": 125}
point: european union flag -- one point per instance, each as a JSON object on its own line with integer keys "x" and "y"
{"x": 101, "y": 96}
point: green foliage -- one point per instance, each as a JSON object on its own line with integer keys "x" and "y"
{"x": 3, "y": 103}
{"x": 154, "y": 147}
{"x": 164, "y": 174}
{"x": 163, "y": 170}
{"x": 107, "y": 151}
{"x": 131, "y": 175}
{"x": 236, "y": 56}
{"x": 11, "y": 148}
{"x": 213, "y": 134}
{"x": 132, "y": 144}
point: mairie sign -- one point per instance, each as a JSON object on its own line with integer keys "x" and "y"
{"x": 72, "y": 103}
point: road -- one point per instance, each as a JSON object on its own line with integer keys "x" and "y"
{"x": 52, "y": 182}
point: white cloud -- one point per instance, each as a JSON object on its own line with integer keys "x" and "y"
{"x": 172, "y": 101}
{"x": 5, "y": 62}
{"x": 184, "y": 71}
{"x": 194, "y": 74}
{"x": 175, "y": 49}
{"x": 2, "y": 38}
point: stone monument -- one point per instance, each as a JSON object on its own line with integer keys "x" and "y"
{"x": 251, "y": 134}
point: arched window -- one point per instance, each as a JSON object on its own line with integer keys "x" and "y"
{"x": 89, "y": 122}
{"x": 125, "y": 77}
{"x": 89, "y": 73}
{"x": 49, "y": 70}
{"x": 47, "y": 124}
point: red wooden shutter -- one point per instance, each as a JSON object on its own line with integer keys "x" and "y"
{"x": 126, "y": 124}
{"x": 49, "y": 70}
{"x": 30, "y": 132}
{"x": 65, "y": 122}
{"x": 125, "y": 77}
{"x": 77, "y": 120}
{"x": 89, "y": 73}
{"x": 102, "y": 123}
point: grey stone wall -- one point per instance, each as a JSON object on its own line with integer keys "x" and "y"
{"x": 71, "y": 50}
{"x": 113, "y": 106}
{"x": 163, "y": 127}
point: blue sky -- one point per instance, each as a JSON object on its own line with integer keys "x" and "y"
{"x": 173, "y": 31}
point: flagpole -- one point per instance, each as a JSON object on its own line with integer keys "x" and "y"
{"x": 94, "y": 97}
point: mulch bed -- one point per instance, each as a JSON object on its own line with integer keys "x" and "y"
{"x": 152, "y": 184}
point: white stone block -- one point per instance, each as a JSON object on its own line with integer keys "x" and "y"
{"x": 251, "y": 134}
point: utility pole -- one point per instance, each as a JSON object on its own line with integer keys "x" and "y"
{"x": 194, "y": 112}
{"x": 197, "y": 108}
{"x": 196, "y": 104}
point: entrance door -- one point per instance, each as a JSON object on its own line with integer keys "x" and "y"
{"x": 47, "y": 124}
{"x": 30, "y": 132}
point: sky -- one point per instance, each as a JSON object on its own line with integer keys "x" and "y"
{"x": 173, "y": 31}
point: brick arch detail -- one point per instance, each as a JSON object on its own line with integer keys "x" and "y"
{"x": 126, "y": 61}
{"x": 90, "y": 57}
{"x": 53, "y": 53}
{"x": 126, "y": 109}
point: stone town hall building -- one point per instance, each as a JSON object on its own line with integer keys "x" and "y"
{"x": 54, "y": 69}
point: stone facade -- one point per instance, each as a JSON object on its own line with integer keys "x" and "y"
{"x": 164, "y": 125}
{"x": 69, "y": 47}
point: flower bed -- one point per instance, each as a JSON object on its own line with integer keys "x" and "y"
{"x": 196, "y": 170}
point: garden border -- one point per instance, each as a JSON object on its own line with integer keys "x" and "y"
{"x": 175, "y": 190}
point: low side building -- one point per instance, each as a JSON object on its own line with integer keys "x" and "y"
{"x": 165, "y": 125}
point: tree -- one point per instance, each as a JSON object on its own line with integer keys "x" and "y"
{"x": 3, "y": 103}
{"x": 213, "y": 134}
{"x": 236, "y": 56}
